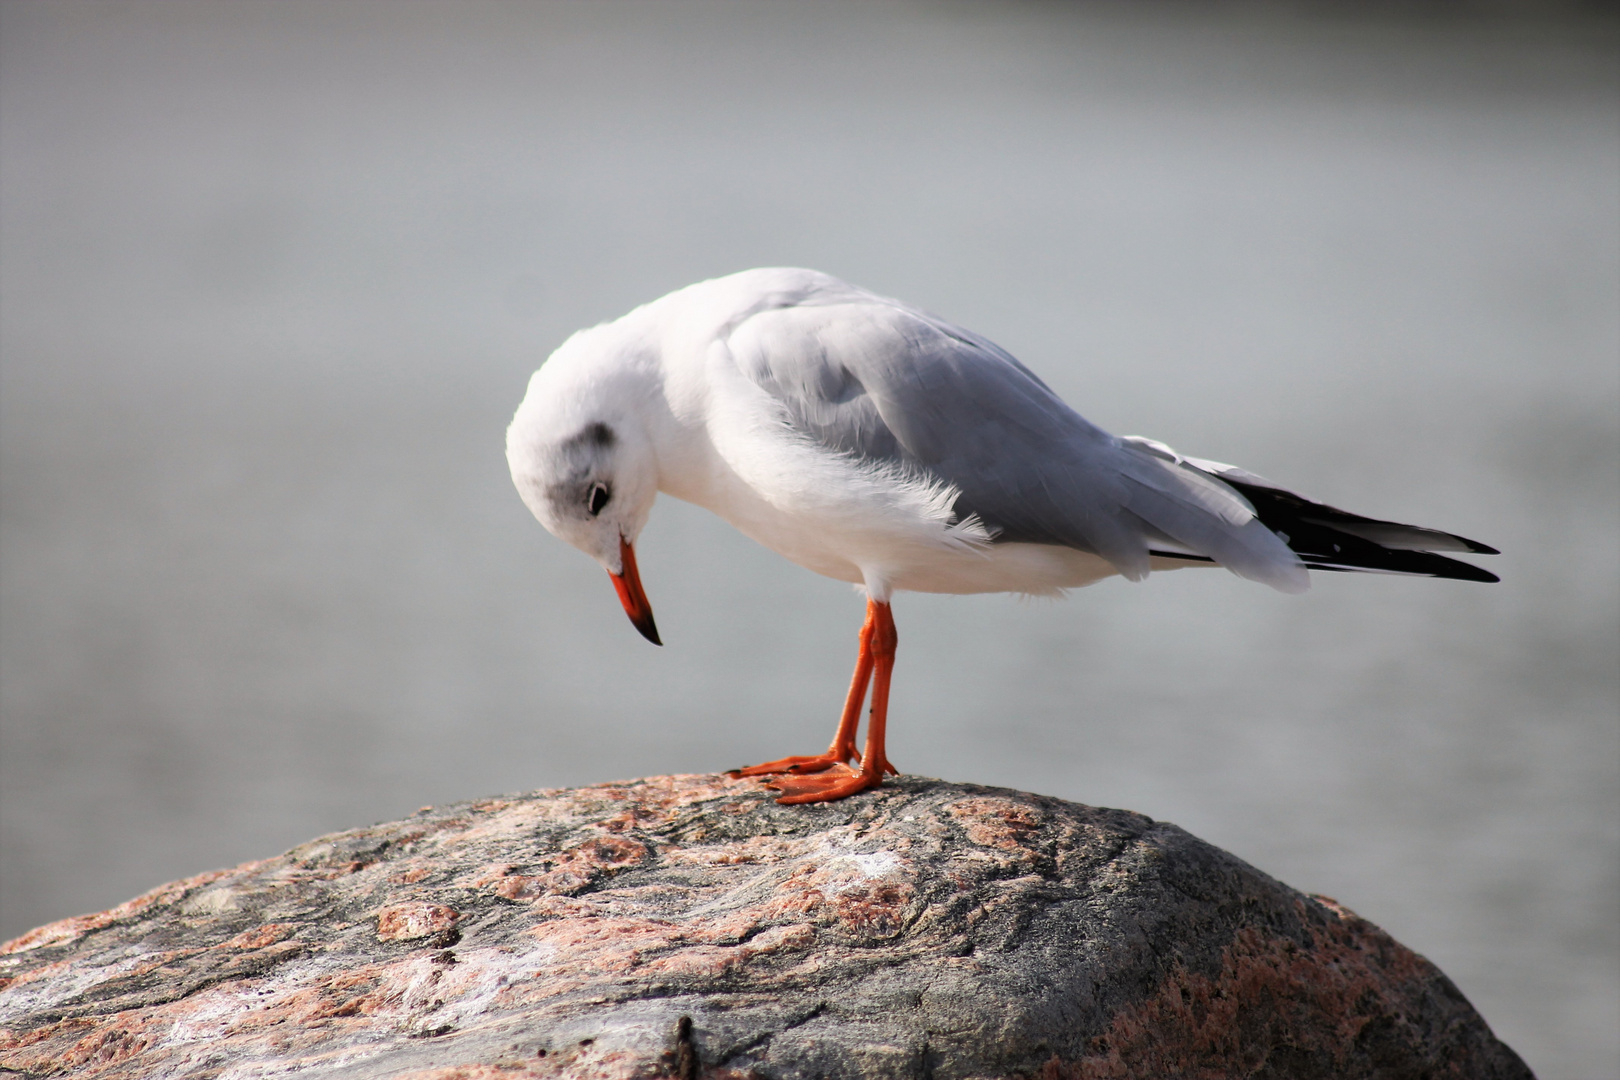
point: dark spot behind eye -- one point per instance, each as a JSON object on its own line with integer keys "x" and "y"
{"x": 598, "y": 498}
{"x": 599, "y": 434}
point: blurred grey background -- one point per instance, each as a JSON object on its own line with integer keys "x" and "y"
{"x": 273, "y": 276}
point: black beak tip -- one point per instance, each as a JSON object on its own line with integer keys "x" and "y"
{"x": 649, "y": 630}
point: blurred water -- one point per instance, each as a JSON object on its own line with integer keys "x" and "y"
{"x": 274, "y": 276}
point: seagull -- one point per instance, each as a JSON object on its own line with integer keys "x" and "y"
{"x": 874, "y": 443}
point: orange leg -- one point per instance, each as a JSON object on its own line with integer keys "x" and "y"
{"x": 836, "y": 779}
{"x": 842, "y": 749}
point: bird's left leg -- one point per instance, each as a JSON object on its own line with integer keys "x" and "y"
{"x": 842, "y": 749}
{"x": 842, "y": 782}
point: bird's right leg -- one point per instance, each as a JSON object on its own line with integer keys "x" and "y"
{"x": 842, "y": 751}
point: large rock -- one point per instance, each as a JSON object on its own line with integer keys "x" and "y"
{"x": 688, "y": 926}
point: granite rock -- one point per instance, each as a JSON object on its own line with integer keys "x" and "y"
{"x": 688, "y": 926}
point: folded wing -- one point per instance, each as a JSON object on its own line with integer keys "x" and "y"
{"x": 893, "y": 387}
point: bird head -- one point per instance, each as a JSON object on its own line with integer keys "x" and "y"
{"x": 584, "y": 465}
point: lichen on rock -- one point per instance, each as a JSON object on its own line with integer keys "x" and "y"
{"x": 688, "y": 926}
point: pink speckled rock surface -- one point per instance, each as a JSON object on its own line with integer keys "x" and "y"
{"x": 927, "y": 929}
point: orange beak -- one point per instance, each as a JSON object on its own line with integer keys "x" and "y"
{"x": 632, "y": 595}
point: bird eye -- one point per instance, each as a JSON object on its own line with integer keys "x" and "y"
{"x": 598, "y": 498}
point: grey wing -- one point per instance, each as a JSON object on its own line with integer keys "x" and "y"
{"x": 889, "y": 385}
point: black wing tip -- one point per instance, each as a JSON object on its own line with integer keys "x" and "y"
{"x": 1433, "y": 566}
{"x": 1284, "y": 511}
{"x": 1327, "y": 538}
{"x": 1462, "y": 571}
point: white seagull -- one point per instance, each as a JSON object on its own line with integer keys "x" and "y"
{"x": 877, "y": 444}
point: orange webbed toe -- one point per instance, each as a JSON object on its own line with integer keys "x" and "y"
{"x": 835, "y": 783}
{"x": 797, "y": 765}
